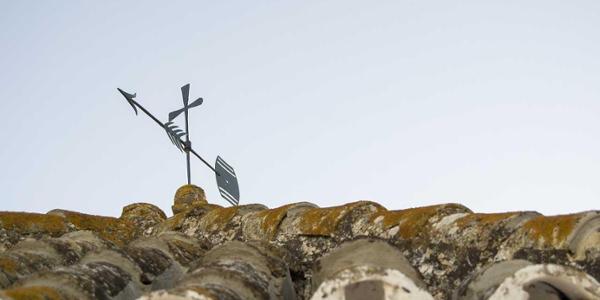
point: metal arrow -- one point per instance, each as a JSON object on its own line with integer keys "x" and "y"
{"x": 134, "y": 104}
{"x": 225, "y": 174}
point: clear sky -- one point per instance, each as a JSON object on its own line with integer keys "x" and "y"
{"x": 491, "y": 104}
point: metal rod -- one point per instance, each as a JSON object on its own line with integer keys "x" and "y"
{"x": 189, "y": 174}
{"x": 163, "y": 126}
{"x": 187, "y": 147}
{"x": 202, "y": 159}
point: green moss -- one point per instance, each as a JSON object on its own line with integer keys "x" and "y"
{"x": 27, "y": 223}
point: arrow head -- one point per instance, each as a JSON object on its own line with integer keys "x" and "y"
{"x": 129, "y": 97}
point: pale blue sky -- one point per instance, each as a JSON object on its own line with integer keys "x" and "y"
{"x": 494, "y": 105}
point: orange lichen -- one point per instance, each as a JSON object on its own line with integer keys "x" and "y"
{"x": 190, "y": 193}
{"x": 115, "y": 230}
{"x": 176, "y": 222}
{"x": 218, "y": 218}
{"x": 271, "y": 219}
{"x": 172, "y": 223}
{"x": 25, "y": 223}
{"x": 8, "y": 265}
{"x": 142, "y": 209}
{"x": 484, "y": 219}
{"x": 324, "y": 221}
{"x": 552, "y": 231}
{"x": 411, "y": 221}
{"x": 33, "y": 293}
{"x": 186, "y": 196}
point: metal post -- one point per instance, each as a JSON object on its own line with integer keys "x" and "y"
{"x": 187, "y": 148}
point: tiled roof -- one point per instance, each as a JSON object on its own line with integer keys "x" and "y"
{"x": 359, "y": 250}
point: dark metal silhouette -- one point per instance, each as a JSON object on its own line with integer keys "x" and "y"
{"x": 226, "y": 178}
{"x": 175, "y": 135}
{"x": 227, "y": 182}
{"x": 185, "y": 93}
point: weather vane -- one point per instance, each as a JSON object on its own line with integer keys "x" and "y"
{"x": 226, "y": 178}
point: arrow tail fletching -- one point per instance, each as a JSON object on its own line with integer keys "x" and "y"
{"x": 175, "y": 133}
